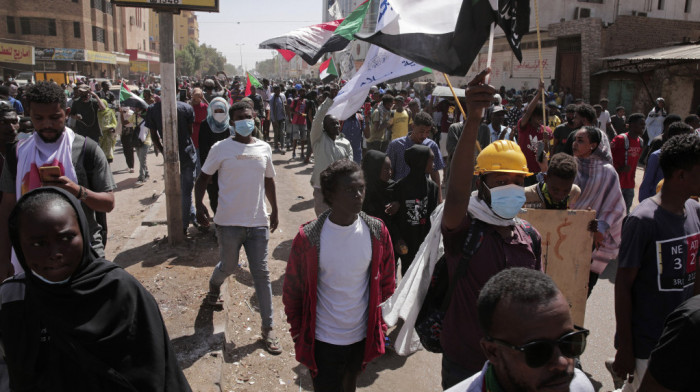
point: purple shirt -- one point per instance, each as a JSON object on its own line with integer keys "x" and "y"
{"x": 460, "y": 328}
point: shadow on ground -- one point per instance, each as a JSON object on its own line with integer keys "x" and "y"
{"x": 192, "y": 253}
{"x": 191, "y": 348}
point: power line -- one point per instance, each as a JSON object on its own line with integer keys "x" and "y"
{"x": 260, "y": 21}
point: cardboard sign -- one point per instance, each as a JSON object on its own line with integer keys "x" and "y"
{"x": 566, "y": 252}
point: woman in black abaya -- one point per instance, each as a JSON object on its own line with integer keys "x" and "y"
{"x": 73, "y": 321}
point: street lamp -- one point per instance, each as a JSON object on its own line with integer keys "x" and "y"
{"x": 240, "y": 50}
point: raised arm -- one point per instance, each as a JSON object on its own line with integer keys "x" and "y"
{"x": 531, "y": 106}
{"x": 478, "y": 97}
{"x": 317, "y": 124}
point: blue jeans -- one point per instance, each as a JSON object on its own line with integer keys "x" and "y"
{"x": 186, "y": 186}
{"x": 628, "y": 195}
{"x": 279, "y": 128}
{"x": 254, "y": 240}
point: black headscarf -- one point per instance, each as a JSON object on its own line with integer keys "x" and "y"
{"x": 100, "y": 330}
{"x": 377, "y": 192}
{"x": 416, "y": 158}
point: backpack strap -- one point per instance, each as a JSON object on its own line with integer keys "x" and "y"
{"x": 627, "y": 146}
{"x": 536, "y": 242}
{"x": 474, "y": 239}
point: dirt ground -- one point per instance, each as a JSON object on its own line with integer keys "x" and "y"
{"x": 221, "y": 350}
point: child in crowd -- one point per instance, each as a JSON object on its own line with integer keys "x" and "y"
{"x": 415, "y": 198}
{"x": 557, "y": 190}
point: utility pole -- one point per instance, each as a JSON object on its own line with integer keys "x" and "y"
{"x": 240, "y": 51}
{"x": 173, "y": 203}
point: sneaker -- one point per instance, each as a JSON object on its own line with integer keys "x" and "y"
{"x": 282, "y": 152}
{"x": 131, "y": 170}
{"x": 618, "y": 381}
{"x": 213, "y": 300}
{"x": 294, "y": 155}
{"x": 139, "y": 183}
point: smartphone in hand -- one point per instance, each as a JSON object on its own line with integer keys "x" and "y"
{"x": 49, "y": 173}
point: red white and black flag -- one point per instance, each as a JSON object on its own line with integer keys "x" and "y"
{"x": 447, "y": 35}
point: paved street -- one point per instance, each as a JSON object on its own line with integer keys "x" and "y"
{"x": 220, "y": 351}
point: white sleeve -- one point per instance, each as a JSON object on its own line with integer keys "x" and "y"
{"x": 213, "y": 162}
{"x": 269, "y": 167}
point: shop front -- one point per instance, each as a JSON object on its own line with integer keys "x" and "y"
{"x": 15, "y": 58}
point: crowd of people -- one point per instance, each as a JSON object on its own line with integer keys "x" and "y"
{"x": 406, "y": 176}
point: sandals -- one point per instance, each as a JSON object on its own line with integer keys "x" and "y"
{"x": 272, "y": 343}
{"x": 214, "y": 300}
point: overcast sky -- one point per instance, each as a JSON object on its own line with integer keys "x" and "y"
{"x": 252, "y": 22}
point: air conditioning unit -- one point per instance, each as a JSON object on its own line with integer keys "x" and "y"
{"x": 639, "y": 13}
{"x": 581, "y": 13}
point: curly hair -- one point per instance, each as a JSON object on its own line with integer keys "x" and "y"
{"x": 587, "y": 111}
{"x": 562, "y": 165}
{"x": 46, "y": 92}
{"x": 240, "y": 105}
{"x": 680, "y": 152}
{"x": 522, "y": 286}
{"x": 423, "y": 118}
{"x": 333, "y": 173}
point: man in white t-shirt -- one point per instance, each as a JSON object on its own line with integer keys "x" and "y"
{"x": 530, "y": 340}
{"x": 340, "y": 269}
{"x": 245, "y": 174}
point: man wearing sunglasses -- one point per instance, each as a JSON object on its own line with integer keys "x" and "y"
{"x": 530, "y": 340}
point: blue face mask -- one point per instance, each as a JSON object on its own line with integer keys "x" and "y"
{"x": 243, "y": 127}
{"x": 507, "y": 200}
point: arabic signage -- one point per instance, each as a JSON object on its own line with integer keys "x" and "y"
{"x": 194, "y": 5}
{"x": 59, "y": 54}
{"x": 101, "y": 57}
{"x": 19, "y": 54}
{"x": 138, "y": 66}
{"x": 137, "y": 55}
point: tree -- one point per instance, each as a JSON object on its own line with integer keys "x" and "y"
{"x": 265, "y": 68}
{"x": 233, "y": 70}
{"x": 197, "y": 60}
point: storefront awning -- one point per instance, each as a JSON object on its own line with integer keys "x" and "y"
{"x": 137, "y": 55}
{"x": 16, "y": 54}
{"x": 122, "y": 58}
{"x": 669, "y": 55}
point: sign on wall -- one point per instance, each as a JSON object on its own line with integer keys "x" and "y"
{"x": 18, "y": 54}
{"x": 193, "y": 5}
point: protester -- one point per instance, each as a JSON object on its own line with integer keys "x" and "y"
{"x": 200, "y": 114}
{"x": 89, "y": 326}
{"x": 340, "y": 269}
{"x": 278, "y": 117}
{"x": 354, "y": 130}
{"x": 653, "y": 174}
{"x": 329, "y": 146}
{"x": 660, "y": 241}
{"x": 416, "y": 197}
{"x": 131, "y": 121}
{"x": 490, "y": 210}
{"x": 557, "y": 190}
{"x": 84, "y": 111}
{"x": 619, "y": 121}
{"x": 401, "y": 119}
{"x": 298, "y": 117}
{"x": 187, "y": 153}
{"x": 654, "y": 124}
{"x": 397, "y": 148}
{"x": 600, "y": 191}
{"x": 529, "y": 338}
{"x": 381, "y": 121}
{"x": 533, "y": 135}
{"x": 108, "y": 124}
{"x": 246, "y": 177}
{"x": 379, "y": 189}
{"x": 212, "y": 130}
{"x": 84, "y": 170}
{"x": 672, "y": 362}
{"x": 626, "y": 149}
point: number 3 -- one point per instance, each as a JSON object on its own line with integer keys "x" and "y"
{"x": 679, "y": 263}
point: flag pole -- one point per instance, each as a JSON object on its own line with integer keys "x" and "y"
{"x": 490, "y": 53}
{"x": 545, "y": 120}
{"x": 459, "y": 105}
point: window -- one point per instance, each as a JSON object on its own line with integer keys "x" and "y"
{"x": 38, "y": 26}
{"x": 11, "y": 25}
{"x": 591, "y": 1}
{"x": 98, "y": 5}
{"x": 76, "y": 1}
{"x": 688, "y": 6}
{"x": 108, "y": 7}
{"x": 76, "y": 29}
{"x": 661, "y": 4}
{"x": 98, "y": 34}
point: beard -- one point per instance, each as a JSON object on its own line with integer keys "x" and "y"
{"x": 519, "y": 386}
{"x": 51, "y": 139}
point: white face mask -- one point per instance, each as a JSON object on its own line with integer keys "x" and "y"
{"x": 219, "y": 117}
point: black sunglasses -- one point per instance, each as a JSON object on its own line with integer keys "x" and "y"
{"x": 539, "y": 352}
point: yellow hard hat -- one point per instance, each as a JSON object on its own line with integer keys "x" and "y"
{"x": 503, "y": 156}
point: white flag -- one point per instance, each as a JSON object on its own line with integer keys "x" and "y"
{"x": 380, "y": 65}
{"x": 335, "y": 12}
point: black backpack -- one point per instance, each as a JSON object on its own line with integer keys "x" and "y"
{"x": 437, "y": 299}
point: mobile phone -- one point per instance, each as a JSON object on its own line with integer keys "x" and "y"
{"x": 540, "y": 151}
{"x": 49, "y": 173}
